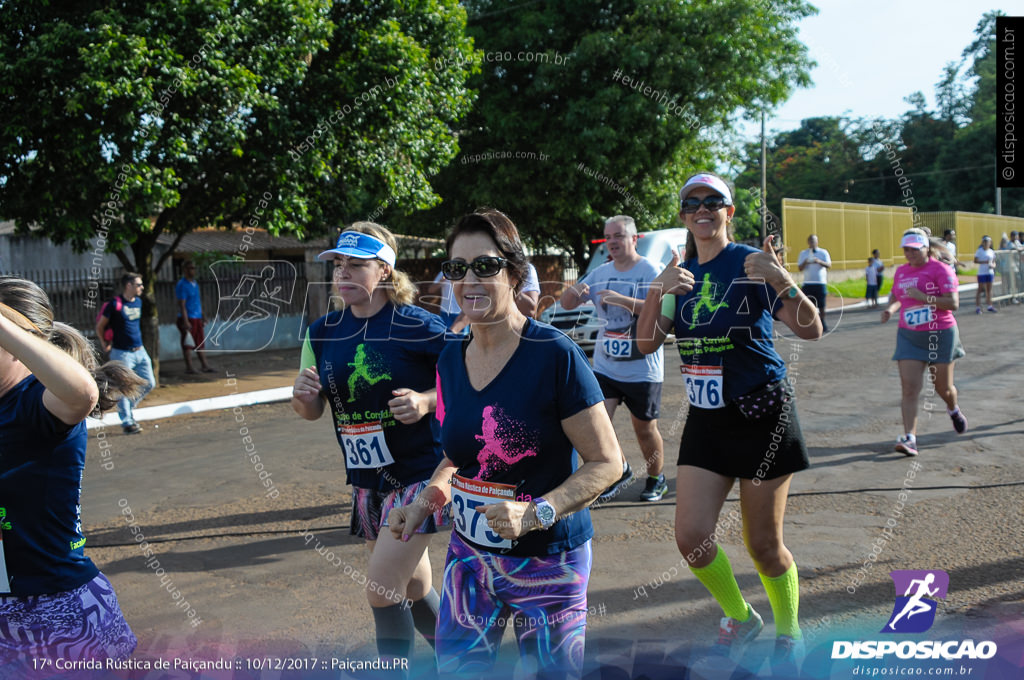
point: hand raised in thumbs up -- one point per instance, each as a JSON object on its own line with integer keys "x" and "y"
{"x": 765, "y": 265}
{"x": 674, "y": 279}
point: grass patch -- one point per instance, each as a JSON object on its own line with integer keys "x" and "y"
{"x": 855, "y": 288}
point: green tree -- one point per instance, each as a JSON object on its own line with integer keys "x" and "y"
{"x": 617, "y": 101}
{"x": 126, "y": 121}
{"x": 823, "y": 159}
{"x": 967, "y": 158}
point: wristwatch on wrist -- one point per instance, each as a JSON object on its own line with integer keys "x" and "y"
{"x": 545, "y": 513}
{"x": 791, "y": 292}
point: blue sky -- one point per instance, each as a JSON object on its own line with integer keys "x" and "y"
{"x": 873, "y": 53}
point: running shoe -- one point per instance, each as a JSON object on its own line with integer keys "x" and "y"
{"x": 907, "y": 446}
{"x": 655, "y": 489}
{"x": 977, "y": 310}
{"x": 734, "y": 635}
{"x": 613, "y": 490}
{"x": 134, "y": 428}
{"x": 959, "y": 421}
{"x": 993, "y": 309}
{"x": 722, "y": 659}
{"x": 784, "y": 658}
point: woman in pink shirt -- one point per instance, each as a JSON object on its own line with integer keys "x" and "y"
{"x": 925, "y": 292}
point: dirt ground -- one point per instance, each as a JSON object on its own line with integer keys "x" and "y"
{"x": 237, "y": 542}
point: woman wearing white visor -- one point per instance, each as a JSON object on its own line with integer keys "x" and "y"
{"x": 374, "y": 362}
{"x": 925, "y": 292}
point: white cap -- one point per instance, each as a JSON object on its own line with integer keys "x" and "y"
{"x": 709, "y": 181}
{"x": 913, "y": 240}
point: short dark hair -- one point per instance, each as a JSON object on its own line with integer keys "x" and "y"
{"x": 947, "y": 232}
{"x": 129, "y": 277}
{"x": 499, "y": 227}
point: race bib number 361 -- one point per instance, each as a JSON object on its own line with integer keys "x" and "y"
{"x": 467, "y": 496}
{"x": 703, "y": 385}
{"x": 365, "y": 446}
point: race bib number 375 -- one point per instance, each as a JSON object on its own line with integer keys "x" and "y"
{"x": 467, "y": 496}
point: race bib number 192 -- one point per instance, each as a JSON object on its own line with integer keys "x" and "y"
{"x": 703, "y": 385}
{"x": 617, "y": 345}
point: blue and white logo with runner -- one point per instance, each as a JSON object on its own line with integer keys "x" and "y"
{"x": 916, "y": 590}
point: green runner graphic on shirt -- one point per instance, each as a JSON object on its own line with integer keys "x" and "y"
{"x": 5, "y": 525}
{"x": 705, "y": 301}
{"x": 370, "y": 367}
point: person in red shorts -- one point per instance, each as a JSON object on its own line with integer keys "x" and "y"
{"x": 190, "y": 317}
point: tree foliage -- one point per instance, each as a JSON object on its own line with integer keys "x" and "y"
{"x": 589, "y": 109}
{"x": 125, "y": 121}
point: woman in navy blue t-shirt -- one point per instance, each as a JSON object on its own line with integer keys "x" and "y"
{"x": 373, "y": 363}
{"x": 742, "y": 421}
{"x": 54, "y": 602}
{"x": 516, "y": 400}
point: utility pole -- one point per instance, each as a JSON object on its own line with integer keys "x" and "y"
{"x": 999, "y": 193}
{"x": 764, "y": 182}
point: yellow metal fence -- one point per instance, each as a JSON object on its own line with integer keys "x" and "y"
{"x": 850, "y": 231}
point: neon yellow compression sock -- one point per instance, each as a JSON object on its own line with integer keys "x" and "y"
{"x": 718, "y": 578}
{"x": 784, "y": 596}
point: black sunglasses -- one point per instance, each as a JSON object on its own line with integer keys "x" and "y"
{"x": 484, "y": 267}
{"x": 712, "y": 203}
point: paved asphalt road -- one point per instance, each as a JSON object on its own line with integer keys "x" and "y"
{"x": 234, "y": 548}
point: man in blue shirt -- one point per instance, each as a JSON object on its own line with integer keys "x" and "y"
{"x": 190, "y": 318}
{"x": 122, "y": 314}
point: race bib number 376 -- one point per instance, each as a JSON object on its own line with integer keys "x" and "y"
{"x": 703, "y": 385}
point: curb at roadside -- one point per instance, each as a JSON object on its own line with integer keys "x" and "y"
{"x": 197, "y": 406}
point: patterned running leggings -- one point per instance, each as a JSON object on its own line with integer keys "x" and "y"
{"x": 84, "y": 623}
{"x": 543, "y": 598}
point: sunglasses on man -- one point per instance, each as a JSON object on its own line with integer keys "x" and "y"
{"x": 484, "y": 267}
{"x": 712, "y": 203}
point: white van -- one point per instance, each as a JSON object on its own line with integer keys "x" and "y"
{"x": 582, "y": 324}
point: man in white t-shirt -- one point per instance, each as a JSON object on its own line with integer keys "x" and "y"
{"x": 985, "y": 258}
{"x": 815, "y": 262}
{"x": 949, "y": 243}
{"x": 529, "y": 296}
{"x": 450, "y": 311}
{"x": 618, "y": 289}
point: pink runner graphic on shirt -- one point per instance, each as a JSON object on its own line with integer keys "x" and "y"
{"x": 504, "y": 449}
